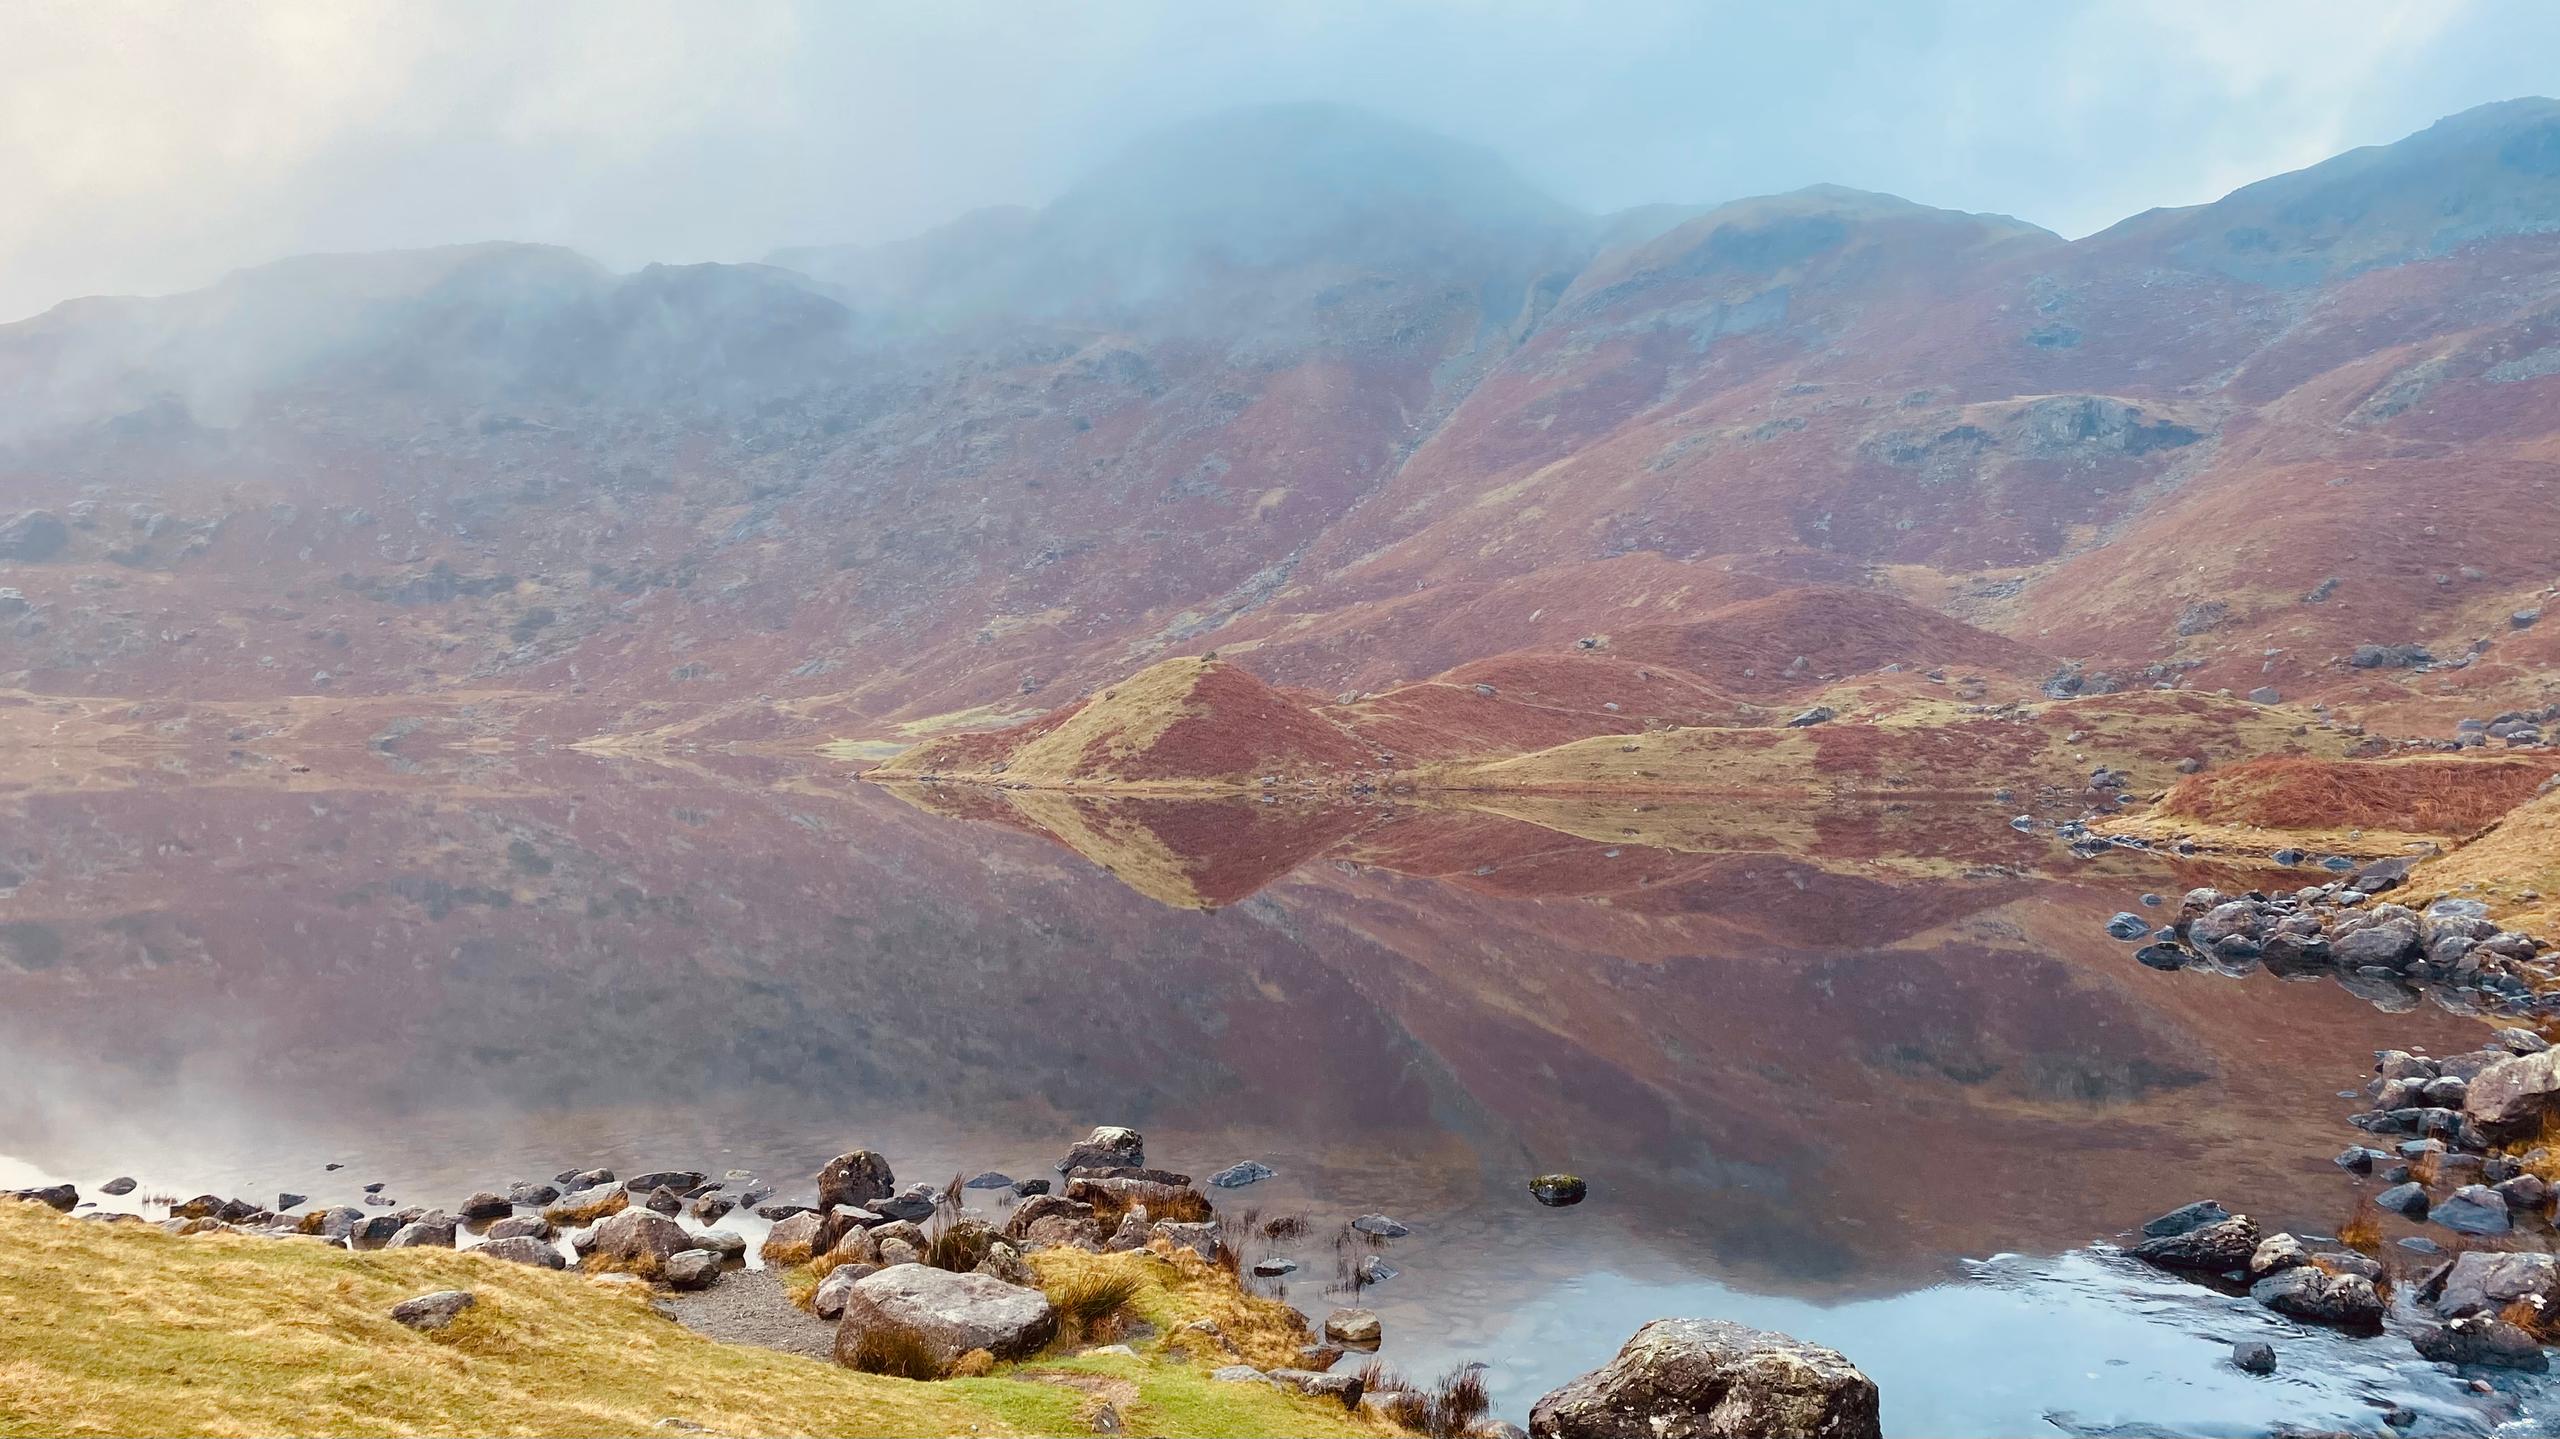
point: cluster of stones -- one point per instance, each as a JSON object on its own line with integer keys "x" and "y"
{"x": 2385, "y": 951}
{"x": 2469, "y": 1304}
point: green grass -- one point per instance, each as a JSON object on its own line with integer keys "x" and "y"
{"x": 121, "y": 1329}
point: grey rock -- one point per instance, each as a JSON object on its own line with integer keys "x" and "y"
{"x": 1356, "y": 1328}
{"x": 1708, "y": 1379}
{"x": 693, "y": 1269}
{"x": 435, "y": 1231}
{"x": 2219, "y": 1247}
{"x": 991, "y": 1180}
{"x": 2474, "y": 1209}
{"x": 1380, "y": 1226}
{"x": 2186, "y": 1217}
{"x": 2514, "y": 1091}
{"x": 949, "y": 1314}
{"x": 430, "y": 1312}
{"x": 1108, "y": 1147}
{"x": 1344, "y": 1389}
{"x": 639, "y": 1239}
{"x": 858, "y": 1177}
{"x": 522, "y": 1226}
{"x": 1558, "y": 1191}
{"x": 2484, "y": 1340}
{"x": 1239, "y": 1374}
{"x": 525, "y": 1249}
{"x": 2481, "y": 1281}
{"x": 837, "y": 1287}
{"x": 485, "y": 1205}
{"x": 2254, "y": 1356}
{"x": 1237, "y": 1176}
{"x": 2406, "y": 1200}
{"x": 2316, "y": 1296}
{"x": 678, "y": 1180}
{"x": 532, "y": 1194}
{"x": 119, "y": 1186}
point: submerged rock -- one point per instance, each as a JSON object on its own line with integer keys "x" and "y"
{"x": 990, "y": 1180}
{"x": 2254, "y": 1356}
{"x": 1714, "y": 1380}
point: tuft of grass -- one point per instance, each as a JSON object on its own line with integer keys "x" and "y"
{"x": 2363, "y": 1233}
{"x": 1177, "y": 1288}
{"x": 1088, "y": 1299}
{"x": 959, "y": 1247}
{"x": 1458, "y": 1402}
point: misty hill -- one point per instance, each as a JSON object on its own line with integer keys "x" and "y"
{"x": 1346, "y": 401}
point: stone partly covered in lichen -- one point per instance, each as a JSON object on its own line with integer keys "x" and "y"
{"x": 1710, "y": 1378}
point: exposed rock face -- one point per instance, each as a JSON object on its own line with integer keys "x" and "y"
{"x": 860, "y": 1178}
{"x": 948, "y": 1314}
{"x": 1707, "y": 1379}
{"x": 33, "y": 537}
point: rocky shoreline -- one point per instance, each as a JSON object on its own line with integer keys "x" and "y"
{"x": 2475, "y": 1288}
{"x": 905, "y": 1281}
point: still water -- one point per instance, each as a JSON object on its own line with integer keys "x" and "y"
{"x": 1871, "y": 1077}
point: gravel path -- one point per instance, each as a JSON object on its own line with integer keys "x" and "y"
{"x": 747, "y": 1306}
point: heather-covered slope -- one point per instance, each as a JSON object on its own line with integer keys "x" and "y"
{"x": 1337, "y": 397}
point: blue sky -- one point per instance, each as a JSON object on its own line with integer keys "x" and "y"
{"x": 150, "y": 147}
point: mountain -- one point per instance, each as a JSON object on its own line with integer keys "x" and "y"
{"x": 1355, "y": 407}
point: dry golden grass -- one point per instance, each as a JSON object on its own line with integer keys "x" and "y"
{"x": 2520, "y": 855}
{"x": 121, "y": 1329}
{"x": 1178, "y": 1288}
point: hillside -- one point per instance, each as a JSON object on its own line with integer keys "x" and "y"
{"x": 1385, "y": 412}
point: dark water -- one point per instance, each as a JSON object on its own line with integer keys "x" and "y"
{"x": 1871, "y": 1077}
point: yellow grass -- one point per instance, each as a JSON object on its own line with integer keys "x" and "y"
{"x": 121, "y": 1329}
{"x": 2519, "y": 855}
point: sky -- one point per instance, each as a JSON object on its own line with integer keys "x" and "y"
{"x": 148, "y": 148}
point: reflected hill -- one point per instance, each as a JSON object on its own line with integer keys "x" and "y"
{"x": 1812, "y": 1052}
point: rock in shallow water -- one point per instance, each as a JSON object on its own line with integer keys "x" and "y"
{"x": 1357, "y": 1328}
{"x": 1237, "y": 1176}
{"x": 2212, "y": 1248}
{"x": 2254, "y": 1356}
{"x": 1557, "y": 1191}
{"x": 2484, "y": 1340}
{"x": 2316, "y": 1296}
{"x": 1711, "y": 1379}
{"x": 2474, "y": 1209}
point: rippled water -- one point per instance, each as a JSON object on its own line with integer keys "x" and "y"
{"x": 1818, "y": 1066}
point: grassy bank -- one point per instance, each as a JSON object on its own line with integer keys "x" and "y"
{"x": 121, "y": 1329}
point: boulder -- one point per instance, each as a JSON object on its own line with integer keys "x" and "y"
{"x": 2212, "y": 1248}
{"x": 337, "y": 1222}
{"x": 801, "y": 1238}
{"x": 1043, "y": 1206}
{"x": 837, "y": 1287}
{"x": 1200, "y": 1238}
{"x": 945, "y": 1314}
{"x": 2481, "y": 1282}
{"x": 915, "y": 1203}
{"x": 2277, "y": 1252}
{"x": 434, "y": 1231}
{"x": 678, "y": 1180}
{"x": 990, "y": 1180}
{"x": 858, "y": 1177}
{"x": 2184, "y": 1218}
{"x": 728, "y": 1244}
{"x": 2474, "y": 1209}
{"x": 55, "y": 1196}
{"x": 522, "y": 1226}
{"x": 1356, "y": 1328}
{"x": 2254, "y": 1356}
{"x": 2481, "y": 1339}
{"x": 1713, "y": 1380}
{"x": 122, "y": 1184}
{"x": 664, "y": 1200}
{"x": 2389, "y": 943}
{"x": 1380, "y": 1226}
{"x": 2514, "y": 1091}
{"x": 1004, "y": 1262}
{"x": 525, "y": 1249}
{"x": 585, "y": 1206}
{"x": 2316, "y": 1296}
{"x": 637, "y": 1240}
{"x": 532, "y": 1194}
{"x": 692, "y": 1269}
{"x": 486, "y": 1205}
{"x": 1237, "y": 1176}
{"x": 431, "y": 1312}
{"x": 2408, "y": 1200}
{"x": 1108, "y": 1147}
{"x": 290, "y": 1200}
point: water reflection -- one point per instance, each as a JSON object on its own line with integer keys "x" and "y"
{"x": 1807, "y": 1057}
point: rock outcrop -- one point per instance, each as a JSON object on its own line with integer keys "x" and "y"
{"x": 1708, "y": 1379}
